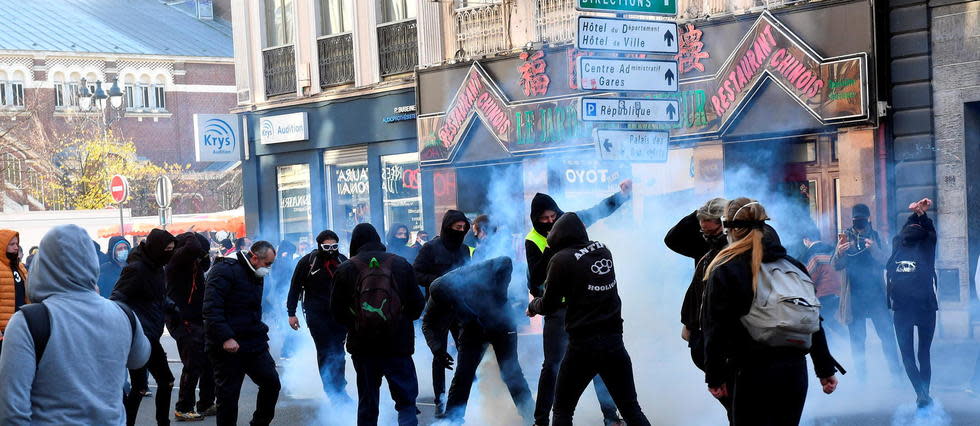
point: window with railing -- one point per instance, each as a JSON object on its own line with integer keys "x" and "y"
{"x": 482, "y": 30}
{"x": 555, "y": 21}
{"x": 396, "y": 10}
{"x": 398, "y": 48}
{"x": 335, "y": 45}
{"x": 279, "y": 70}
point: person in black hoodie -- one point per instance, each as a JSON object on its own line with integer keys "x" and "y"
{"x": 544, "y": 213}
{"x": 142, "y": 286}
{"x": 236, "y": 339}
{"x": 397, "y": 239}
{"x": 475, "y": 297}
{"x": 378, "y": 354}
{"x": 109, "y": 271}
{"x": 443, "y": 254}
{"x": 581, "y": 280}
{"x": 768, "y": 384}
{"x": 313, "y": 282}
{"x": 911, "y": 272}
{"x": 185, "y": 286}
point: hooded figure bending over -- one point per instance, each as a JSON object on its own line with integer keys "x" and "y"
{"x": 476, "y": 296}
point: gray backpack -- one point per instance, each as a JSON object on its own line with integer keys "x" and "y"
{"x": 785, "y": 311}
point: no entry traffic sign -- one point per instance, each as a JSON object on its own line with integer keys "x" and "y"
{"x": 119, "y": 189}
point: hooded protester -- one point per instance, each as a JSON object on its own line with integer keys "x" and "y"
{"x": 30, "y": 258}
{"x": 581, "y": 277}
{"x": 379, "y": 349}
{"x": 398, "y": 237}
{"x": 475, "y": 297}
{"x": 862, "y": 257}
{"x": 185, "y": 286}
{"x": 818, "y": 259}
{"x": 421, "y": 238}
{"x": 236, "y": 339}
{"x": 443, "y": 254}
{"x": 911, "y": 273}
{"x": 103, "y": 257}
{"x": 91, "y": 342}
{"x": 109, "y": 271}
{"x": 312, "y": 282}
{"x": 13, "y": 279}
{"x": 544, "y": 213}
{"x": 142, "y": 286}
{"x": 768, "y": 384}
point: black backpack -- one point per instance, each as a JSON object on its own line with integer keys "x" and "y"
{"x": 911, "y": 277}
{"x": 39, "y": 324}
{"x": 378, "y": 307}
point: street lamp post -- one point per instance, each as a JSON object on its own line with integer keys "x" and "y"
{"x": 99, "y": 100}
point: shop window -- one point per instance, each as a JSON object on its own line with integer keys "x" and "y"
{"x": 804, "y": 152}
{"x": 444, "y": 188}
{"x": 348, "y": 191}
{"x": 400, "y": 180}
{"x": 295, "y": 220}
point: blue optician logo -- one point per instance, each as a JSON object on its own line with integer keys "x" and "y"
{"x": 219, "y": 136}
{"x": 590, "y": 109}
{"x": 267, "y": 129}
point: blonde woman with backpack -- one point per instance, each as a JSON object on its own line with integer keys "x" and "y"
{"x": 752, "y": 286}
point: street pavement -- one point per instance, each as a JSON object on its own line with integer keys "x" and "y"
{"x": 853, "y": 404}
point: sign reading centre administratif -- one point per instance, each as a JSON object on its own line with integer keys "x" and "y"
{"x": 217, "y": 137}
{"x": 632, "y": 145}
{"x": 284, "y": 128}
{"x": 626, "y": 75}
{"x": 626, "y": 35}
{"x": 650, "y": 7}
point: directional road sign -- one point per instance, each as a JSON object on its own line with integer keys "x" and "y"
{"x": 632, "y": 145}
{"x": 626, "y": 35}
{"x": 119, "y": 188}
{"x": 626, "y": 75}
{"x": 648, "y": 7}
{"x": 164, "y": 192}
{"x": 628, "y": 110}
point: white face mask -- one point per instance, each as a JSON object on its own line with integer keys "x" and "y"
{"x": 261, "y": 272}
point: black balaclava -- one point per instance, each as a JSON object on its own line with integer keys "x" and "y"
{"x": 204, "y": 258}
{"x": 156, "y": 244}
{"x": 394, "y": 241}
{"x": 539, "y": 204}
{"x": 364, "y": 235}
{"x": 323, "y": 236}
{"x": 860, "y": 214}
{"x": 451, "y": 238}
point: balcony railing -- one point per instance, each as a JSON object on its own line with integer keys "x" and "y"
{"x": 482, "y": 30}
{"x": 555, "y": 21}
{"x": 398, "y": 47}
{"x": 279, "y": 67}
{"x": 336, "y": 53}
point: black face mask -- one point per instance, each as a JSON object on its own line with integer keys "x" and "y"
{"x": 543, "y": 228}
{"x": 453, "y": 238}
{"x": 395, "y": 241}
{"x": 860, "y": 223}
{"x": 14, "y": 258}
{"x": 715, "y": 240}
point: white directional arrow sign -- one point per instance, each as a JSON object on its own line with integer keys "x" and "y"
{"x": 628, "y": 110}
{"x": 626, "y": 35}
{"x": 632, "y": 145}
{"x": 626, "y": 75}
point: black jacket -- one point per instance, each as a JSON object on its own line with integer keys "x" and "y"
{"x": 440, "y": 255}
{"x": 537, "y": 261}
{"x": 142, "y": 286}
{"x": 729, "y": 297}
{"x": 685, "y": 239}
{"x": 185, "y": 277}
{"x": 365, "y": 245}
{"x": 473, "y": 295}
{"x": 313, "y": 281}
{"x": 233, "y": 305}
{"x": 581, "y": 275}
{"x": 911, "y": 269}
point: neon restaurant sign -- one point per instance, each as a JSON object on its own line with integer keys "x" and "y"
{"x": 833, "y": 90}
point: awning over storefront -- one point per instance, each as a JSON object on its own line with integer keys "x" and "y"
{"x": 232, "y": 221}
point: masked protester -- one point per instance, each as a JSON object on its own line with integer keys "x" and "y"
{"x": 911, "y": 273}
{"x": 475, "y": 297}
{"x": 544, "y": 213}
{"x": 398, "y": 242}
{"x": 421, "y": 238}
{"x": 13, "y": 279}
{"x": 768, "y": 384}
{"x": 443, "y": 254}
{"x": 581, "y": 280}
{"x": 313, "y": 280}
{"x": 861, "y": 257}
{"x": 109, "y": 271}
{"x": 77, "y": 377}
{"x": 235, "y": 336}
{"x": 142, "y": 286}
{"x": 185, "y": 286}
{"x": 381, "y": 340}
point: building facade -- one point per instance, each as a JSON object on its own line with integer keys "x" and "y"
{"x": 326, "y": 88}
{"x": 171, "y": 60}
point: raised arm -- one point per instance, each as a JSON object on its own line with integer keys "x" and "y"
{"x": 605, "y": 208}
{"x": 685, "y": 238}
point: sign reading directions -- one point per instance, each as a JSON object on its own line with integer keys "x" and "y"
{"x": 650, "y": 7}
{"x": 628, "y": 109}
{"x": 627, "y": 75}
{"x": 626, "y": 35}
{"x": 632, "y": 145}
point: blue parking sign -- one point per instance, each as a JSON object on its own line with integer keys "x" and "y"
{"x": 590, "y": 109}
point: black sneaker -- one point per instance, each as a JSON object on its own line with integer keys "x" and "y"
{"x": 209, "y": 412}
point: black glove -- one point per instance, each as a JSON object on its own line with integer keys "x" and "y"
{"x": 444, "y": 360}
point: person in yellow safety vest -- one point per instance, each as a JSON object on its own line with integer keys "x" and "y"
{"x": 481, "y": 228}
{"x": 544, "y": 213}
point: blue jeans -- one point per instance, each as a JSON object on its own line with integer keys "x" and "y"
{"x": 399, "y": 371}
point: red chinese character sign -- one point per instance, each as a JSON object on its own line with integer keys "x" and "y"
{"x": 534, "y": 77}
{"x": 691, "y": 50}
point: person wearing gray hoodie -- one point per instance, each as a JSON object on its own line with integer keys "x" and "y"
{"x": 79, "y": 379}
